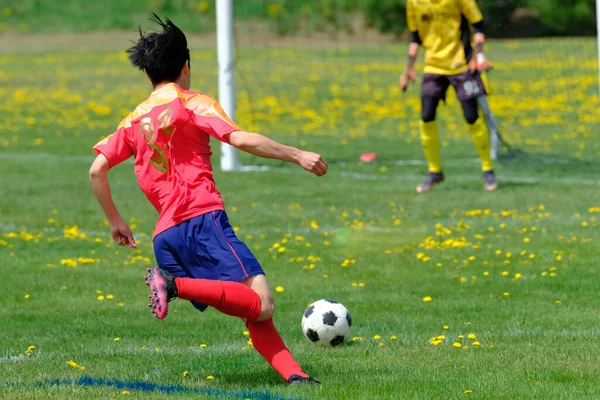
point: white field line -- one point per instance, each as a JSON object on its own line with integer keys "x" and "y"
{"x": 351, "y": 175}
{"x": 420, "y": 161}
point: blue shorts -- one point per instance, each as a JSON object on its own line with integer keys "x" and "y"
{"x": 205, "y": 247}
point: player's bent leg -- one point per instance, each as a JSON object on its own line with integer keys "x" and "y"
{"x": 231, "y": 298}
{"x": 259, "y": 284}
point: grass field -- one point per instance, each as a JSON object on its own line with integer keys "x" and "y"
{"x": 516, "y": 268}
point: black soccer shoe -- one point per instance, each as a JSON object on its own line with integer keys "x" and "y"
{"x": 430, "y": 181}
{"x": 489, "y": 181}
{"x": 162, "y": 290}
{"x": 300, "y": 380}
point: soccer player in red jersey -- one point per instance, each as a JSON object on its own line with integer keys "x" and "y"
{"x": 200, "y": 258}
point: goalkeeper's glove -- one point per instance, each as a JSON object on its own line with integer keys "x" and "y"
{"x": 479, "y": 63}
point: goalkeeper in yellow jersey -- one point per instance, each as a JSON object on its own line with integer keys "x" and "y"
{"x": 442, "y": 28}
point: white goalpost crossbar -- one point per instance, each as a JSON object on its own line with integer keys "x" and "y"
{"x": 224, "y": 8}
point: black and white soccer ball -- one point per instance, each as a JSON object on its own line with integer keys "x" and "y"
{"x": 326, "y": 323}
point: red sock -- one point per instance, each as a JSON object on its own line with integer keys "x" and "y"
{"x": 268, "y": 343}
{"x": 231, "y": 298}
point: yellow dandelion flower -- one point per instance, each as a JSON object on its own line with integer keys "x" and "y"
{"x": 476, "y": 344}
{"x": 468, "y": 391}
{"x": 185, "y": 373}
{"x": 461, "y": 336}
{"x": 245, "y": 333}
{"x": 101, "y": 298}
{"x": 110, "y": 297}
{"x": 393, "y": 337}
{"x": 427, "y": 299}
{"x": 27, "y": 296}
{"x": 472, "y": 336}
{"x": 202, "y": 345}
{"x": 125, "y": 392}
{"x": 116, "y": 339}
{"x": 446, "y": 327}
{"x": 456, "y": 345}
{"x": 279, "y": 289}
{"x": 505, "y": 294}
{"x": 504, "y": 273}
{"x": 377, "y": 337}
{"x": 518, "y": 276}
{"x": 381, "y": 344}
{"x": 210, "y": 377}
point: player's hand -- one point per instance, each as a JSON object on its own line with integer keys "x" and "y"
{"x": 121, "y": 233}
{"x": 406, "y": 77}
{"x": 313, "y": 162}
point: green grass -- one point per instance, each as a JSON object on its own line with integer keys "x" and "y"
{"x": 340, "y": 101}
{"x": 89, "y": 16}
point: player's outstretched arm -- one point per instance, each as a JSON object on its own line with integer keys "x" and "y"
{"x": 99, "y": 180}
{"x": 264, "y": 147}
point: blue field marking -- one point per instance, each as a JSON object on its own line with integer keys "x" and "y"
{"x": 141, "y": 386}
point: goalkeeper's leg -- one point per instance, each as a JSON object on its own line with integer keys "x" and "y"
{"x": 482, "y": 141}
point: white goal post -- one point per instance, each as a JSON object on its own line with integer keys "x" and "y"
{"x": 229, "y": 160}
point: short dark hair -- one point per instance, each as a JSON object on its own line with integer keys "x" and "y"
{"x": 161, "y": 55}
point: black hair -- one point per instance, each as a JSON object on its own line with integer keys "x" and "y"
{"x": 161, "y": 55}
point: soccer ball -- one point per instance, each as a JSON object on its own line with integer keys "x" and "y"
{"x": 326, "y": 323}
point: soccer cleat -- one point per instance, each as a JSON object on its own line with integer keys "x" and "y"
{"x": 162, "y": 290}
{"x": 490, "y": 183}
{"x": 432, "y": 179}
{"x": 300, "y": 380}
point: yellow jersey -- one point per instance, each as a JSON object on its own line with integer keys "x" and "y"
{"x": 443, "y": 27}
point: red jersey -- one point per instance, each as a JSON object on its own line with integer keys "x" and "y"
{"x": 169, "y": 137}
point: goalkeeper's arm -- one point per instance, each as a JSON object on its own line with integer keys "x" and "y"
{"x": 481, "y": 63}
{"x": 409, "y": 73}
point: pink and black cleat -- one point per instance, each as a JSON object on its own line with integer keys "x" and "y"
{"x": 162, "y": 290}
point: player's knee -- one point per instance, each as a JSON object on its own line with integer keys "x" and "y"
{"x": 267, "y": 308}
{"x": 428, "y": 115}
{"x": 471, "y": 118}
